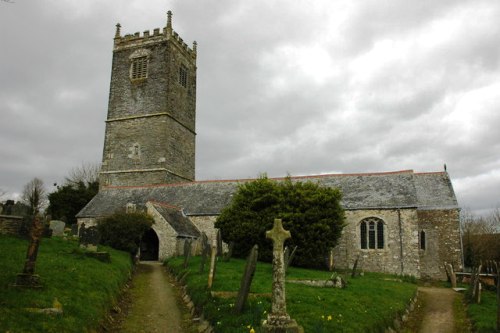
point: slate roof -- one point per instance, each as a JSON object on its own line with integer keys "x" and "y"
{"x": 400, "y": 189}
{"x": 177, "y": 220}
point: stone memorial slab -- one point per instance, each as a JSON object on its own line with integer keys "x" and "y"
{"x": 211, "y": 273}
{"x": 89, "y": 238}
{"x": 57, "y": 227}
{"x": 28, "y": 278}
{"x": 74, "y": 229}
{"x": 246, "y": 280}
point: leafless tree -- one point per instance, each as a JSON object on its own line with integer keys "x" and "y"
{"x": 86, "y": 173}
{"x": 480, "y": 237}
{"x": 34, "y": 195}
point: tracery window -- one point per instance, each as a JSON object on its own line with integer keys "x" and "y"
{"x": 371, "y": 232}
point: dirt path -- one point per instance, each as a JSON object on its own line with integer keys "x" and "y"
{"x": 154, "y": 303}
{"x": 437, "y": 316}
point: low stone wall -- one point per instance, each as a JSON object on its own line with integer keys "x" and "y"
{"x": 398, "y": 322}
{"x": 11, "y": 225}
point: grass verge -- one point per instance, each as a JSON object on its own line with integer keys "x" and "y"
{"x": 368, "y": 304}
{"x": 483, "y": 316}
{"x": 86, "y": 287}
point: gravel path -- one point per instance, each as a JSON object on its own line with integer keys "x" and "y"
{"x": 438, "y": 310}
{"x": 154, "y": 305}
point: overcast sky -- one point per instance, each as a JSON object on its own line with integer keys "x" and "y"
{"x": 299, "y": 87}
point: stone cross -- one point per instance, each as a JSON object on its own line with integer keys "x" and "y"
{"x": 28, "y": 278}
{"x": 279, "y": 320}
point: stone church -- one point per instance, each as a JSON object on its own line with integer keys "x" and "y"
{"x": 399, "y": 222}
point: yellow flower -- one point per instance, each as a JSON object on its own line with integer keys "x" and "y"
{"x": 249, "y": 326}
{"x": 329, "y": 317}
{"x": 252, "y": 330}
{"x": 322, "y": 317}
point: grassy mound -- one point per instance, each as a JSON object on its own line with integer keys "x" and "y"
{"x": 86, "y": 287}
{"x": 368, "y": 304}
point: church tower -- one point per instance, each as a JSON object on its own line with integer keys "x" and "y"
{"x": 150, "y": 127}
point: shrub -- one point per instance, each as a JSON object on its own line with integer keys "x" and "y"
{"x": 123, "y": 231}
{"x": 311, "y": 213}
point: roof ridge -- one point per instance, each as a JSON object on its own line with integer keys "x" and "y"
{"x": 408, "y": 171}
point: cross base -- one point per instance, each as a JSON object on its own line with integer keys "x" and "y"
{"x": 24, "y": 280}
{"x": 281, "y": 324}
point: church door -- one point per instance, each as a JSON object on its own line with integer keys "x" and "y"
{"x": 149, "y": 245}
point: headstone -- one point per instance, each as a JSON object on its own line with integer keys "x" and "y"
{"x": 229, "y": 252}
{"x": 211, "y": 273}
{"x": 205, "y": 250}
{"x": 330, "y": 260}
{"x": 288, "y": 262}
{"x": 187, "y": 252}
{"x": 74, "y": 229}
{"x": 89, "y": 238}
{"x": 219, "y": 243}
{"x": 279, "y": 320}
{"x": 451, "y": 274}
{"x": 57, "y": 227}
{"x": 354, "y": 267}
{"x": 246, "y": 280}
{"x": 28, "y": 278}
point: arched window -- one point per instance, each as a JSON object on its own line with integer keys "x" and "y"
{"x": 371, "y": 232}
{"x": 422, "y": 240}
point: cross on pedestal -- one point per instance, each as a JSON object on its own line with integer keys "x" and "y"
{"x": 278, "y": 320}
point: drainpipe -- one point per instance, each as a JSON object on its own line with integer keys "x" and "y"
{"x": 462, "y": 261}
{"x": 400, "y": 241}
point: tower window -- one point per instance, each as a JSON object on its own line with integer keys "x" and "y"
{"x": 139, "y": 68}
{"x": 183, "y": 76}
{"x": 371, "y": 231}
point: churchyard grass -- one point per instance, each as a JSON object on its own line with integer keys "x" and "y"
{"x": 483, "y": 316}
{"x": 368, "y": 304}
{"x": 86, "y": 287}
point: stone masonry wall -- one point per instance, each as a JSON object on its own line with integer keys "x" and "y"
{"x": 442, "y": 235}
{"x": 164, "y": 155}
{"x": 388, "y": 259}
{"x": 166, "y": 234}
{"x": 205, "y": 223}
{"x": 10, "y": 224}
{"x": 150, "y": 129}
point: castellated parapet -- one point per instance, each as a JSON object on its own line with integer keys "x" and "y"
{"x": 150, "y": 127}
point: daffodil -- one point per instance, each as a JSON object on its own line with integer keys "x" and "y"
{"x": 329, "y": 318}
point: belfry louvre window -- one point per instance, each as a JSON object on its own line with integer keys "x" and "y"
{"x": 139, "y": 68}
{"x": 371, "y": 232}
{"x": 183, "y": 76}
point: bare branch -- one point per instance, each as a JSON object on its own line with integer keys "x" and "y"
{"x": 34, "y": 195}
{"x": 87, "y": 173}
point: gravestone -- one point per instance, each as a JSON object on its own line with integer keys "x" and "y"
{"x": 219, "y": 243}
{"x": 354, "y": 273}
{"x": 74, "y": 229}
{"x": 187, "y": 252}
{"x": 205, "y": 250}
{"x": 211, "y": 273}
{"x": 330, "y": 260}
{"x": 278, "y": 321}
{"x": 246, "y": 280}
{"x": 28, "y": 278}
{"x": 57, "y": 227}
{"x": 229, "y": 253}
{"x": 89, "y": 238}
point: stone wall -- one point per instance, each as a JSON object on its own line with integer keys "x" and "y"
{"x": 11, "y": 225}
{"x": 442, "y": 235}
{"x": 205, "y": 223}
{"x": 167, "y": 236}
{"x": 400, "y": 252}
{"x": 150, "y": 129}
